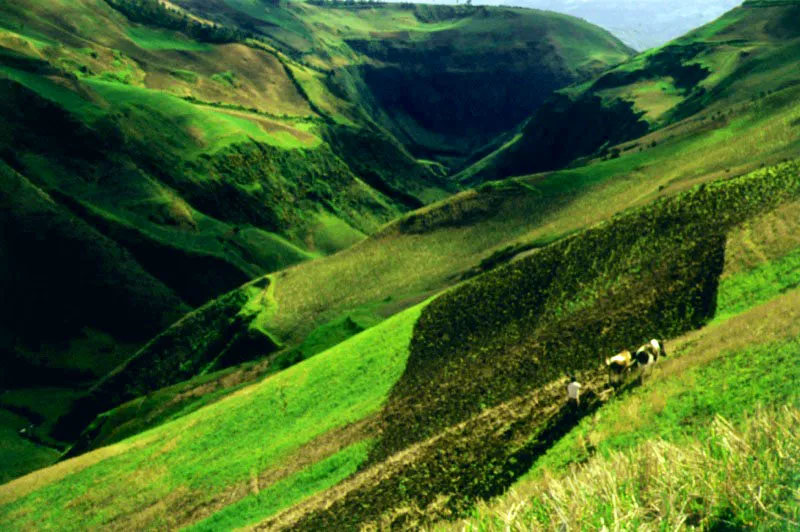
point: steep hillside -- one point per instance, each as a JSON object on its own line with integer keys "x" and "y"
{"x": 744, "y": 351}
{"x": 444, "y": 80}
{"x": 318, "y": 435}
{"x": 421, "y": 369}
{"x": 521, "y": 328}
{"x": 163, "y": 157}
{"x": 475, "y": 231}
{"x": 748, "y": 53}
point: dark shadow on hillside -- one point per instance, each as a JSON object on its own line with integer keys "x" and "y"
{"x": 444, "y": 477}
{"x": 557, "y": 427}
{"x": 560, "y": 425}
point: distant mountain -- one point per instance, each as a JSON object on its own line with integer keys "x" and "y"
{"x": 641, "y": 24}
{"x": 715, "y": 63}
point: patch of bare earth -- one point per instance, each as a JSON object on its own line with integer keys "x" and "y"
{"x": 763, "y": 239}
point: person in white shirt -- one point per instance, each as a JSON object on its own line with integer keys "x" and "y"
{"x": 574, "y": 392}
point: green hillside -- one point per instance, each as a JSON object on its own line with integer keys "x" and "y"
{"x": 287, "y": 416}
{"x": 164, "y": 155}
{"x": 692, "y": 263}
{"x": 727, "y": 377}
{"x": 710, "y": 74}
{"x": 433, "y": 248}
{"x": 275, "y": 306}
{"x": 405, "y": 68}
{"x": 437, "y": 246}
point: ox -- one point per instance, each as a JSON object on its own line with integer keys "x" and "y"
{"x": 618, "y": 365}
{"x": 647, "y": 356}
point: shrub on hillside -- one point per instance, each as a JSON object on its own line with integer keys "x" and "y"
{"x": 202, "y": 341}
{"x": 154, "y": 13}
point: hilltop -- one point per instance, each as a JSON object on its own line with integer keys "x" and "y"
{"x": 404, "y": 379}
{"x": 642, "y": 24}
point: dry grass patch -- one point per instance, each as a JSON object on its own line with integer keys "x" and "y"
{"x": 741, "y": 477}
{"x": 764, "y": 239}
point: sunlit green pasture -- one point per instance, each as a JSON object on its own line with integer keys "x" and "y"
{"x": 203, "y": 455}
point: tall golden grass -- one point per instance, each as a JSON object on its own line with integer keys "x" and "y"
{"x": 744, "y": 477}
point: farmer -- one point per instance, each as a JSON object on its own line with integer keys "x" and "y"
{"x": 574, "y": 393}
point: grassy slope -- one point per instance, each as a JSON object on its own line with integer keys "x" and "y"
{"x": 705, "y": 482}
{"x": 741, "y": 362}
{"x": 169, "y": 243}
{"x": 215, "y": 162}
{"x": 108, "y": 131}
{"x": 178, "y": 400}
{"x": 368, "y": 51}
{"x": 148, "y": 58}
{"x": 82, "y": 254}
{"x": 454, "y": 236}
{"x": 151, "y": 210}
{"x": 286, "y": 410}
{"x": 744, "y": 55}
{"x": 20, "y": 455}
{"x": 426, "y": 249}
{"x": 123, "y": 58}
{"x": 257, "y": 431}
{"x": 638, "y": 198}
{"x": 739, "y": 325}
{"x": 433, "y": 247}
{"x": 492, "y": 445}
